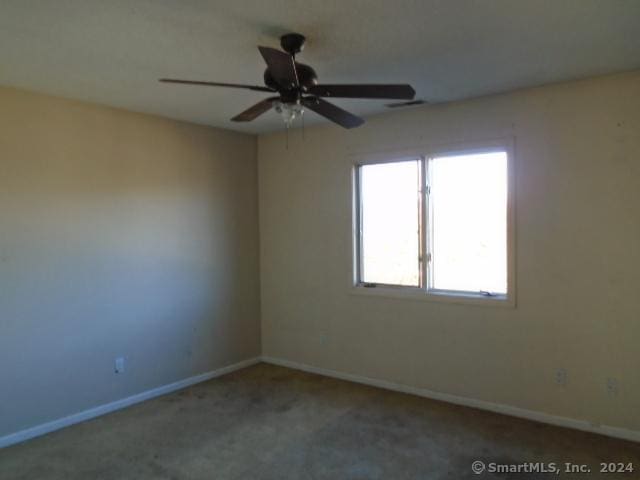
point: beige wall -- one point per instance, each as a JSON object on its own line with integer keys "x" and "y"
{"x": 120, "y": 235}
{"x": 577, "y": 155}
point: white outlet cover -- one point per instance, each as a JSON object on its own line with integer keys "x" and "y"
{"x": 119, "y": 365}
{"x": 612, "y": 386}
{"x": 561, "y": 376}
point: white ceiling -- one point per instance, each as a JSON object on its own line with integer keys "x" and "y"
{"x": 112, "y": 51}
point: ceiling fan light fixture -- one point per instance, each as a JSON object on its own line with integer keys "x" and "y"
{"x": 289, "y": 111}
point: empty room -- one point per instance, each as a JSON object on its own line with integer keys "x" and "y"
{"x": 293, "y": 240}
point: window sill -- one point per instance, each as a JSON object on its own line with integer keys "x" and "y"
{"x": 408, "y": 293}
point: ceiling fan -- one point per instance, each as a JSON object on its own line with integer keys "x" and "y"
{"x": 296, "y": 85}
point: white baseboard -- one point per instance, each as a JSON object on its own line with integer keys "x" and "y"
{"x": 53, "y": 425}
{"x": 584, "y": 425}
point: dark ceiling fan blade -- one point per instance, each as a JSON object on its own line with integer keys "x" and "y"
{"x": 281, "y": 66}
{"x": 406, "y": 104}
{"x": 255, "y": 111}
{"x": 333, "y": 113}
{"x": 399, "y": 92}
{"x": 217, "y": 84}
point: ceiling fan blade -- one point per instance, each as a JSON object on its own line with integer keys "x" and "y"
{"x": 217, "y": 84}
{"x": 281, "y": 66}
{"x": 255, "y": 111}
{"x": 333, "y": 113}
{"x": 400, "y": 92}
{"x": 405, "y": 104}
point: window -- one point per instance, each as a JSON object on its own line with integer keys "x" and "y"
{"x": 435, "y": 224}
{"x": 390, "y": 210}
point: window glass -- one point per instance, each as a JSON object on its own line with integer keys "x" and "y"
{"x": 468, "y": 223}
{"x": 390, "y": 222}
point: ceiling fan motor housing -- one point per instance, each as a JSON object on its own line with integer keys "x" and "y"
{"x": 307, "y": 78}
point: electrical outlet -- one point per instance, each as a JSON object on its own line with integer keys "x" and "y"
{"x": 119, "y": 365}
{"x": 562, "y": 376}
{"x": 612, "y": 386}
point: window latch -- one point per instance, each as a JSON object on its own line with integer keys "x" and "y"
{"x": 369, "y": 285}
{"x": 484, "y": 293}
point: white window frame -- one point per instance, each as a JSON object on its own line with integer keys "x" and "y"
{"x": 423, "y": 292}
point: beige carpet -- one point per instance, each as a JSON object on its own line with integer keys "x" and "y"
{"x": 268, "y": 422}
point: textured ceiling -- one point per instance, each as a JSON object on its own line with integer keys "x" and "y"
{"x": 112, "y": 52}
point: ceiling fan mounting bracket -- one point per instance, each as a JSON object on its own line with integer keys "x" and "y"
{"x": 292, "y": 43}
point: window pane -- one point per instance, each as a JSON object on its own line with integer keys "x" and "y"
{"x": 390, "y": 218}
{"x": 469, "y": 222}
